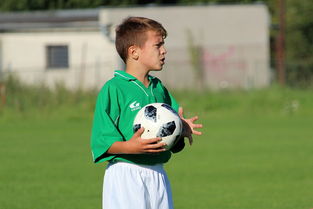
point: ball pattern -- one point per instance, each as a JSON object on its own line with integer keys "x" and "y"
{"x": 159, "y": 120}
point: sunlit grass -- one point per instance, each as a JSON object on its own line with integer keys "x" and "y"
{"x": 255, "y": 152}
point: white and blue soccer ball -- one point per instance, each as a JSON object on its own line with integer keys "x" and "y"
{"x": 159, "y": 120}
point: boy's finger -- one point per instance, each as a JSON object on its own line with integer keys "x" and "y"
{"x": 194, "y": 118}
{"x": 197, "y": 132}
{"x": 153, "y": 140}
{"x": 156, "y": 146}
{"x": 190, "y": 139}
{"x": 155, "y": 150}
{"x": 140, "y": 131}
{"x": 180, "y": 112}
{"x": 197, "y": 125}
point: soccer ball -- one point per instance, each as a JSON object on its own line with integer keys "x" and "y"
{"x": 159, "y": 120}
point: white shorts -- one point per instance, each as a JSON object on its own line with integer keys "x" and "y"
{"x": 131, "y": 186}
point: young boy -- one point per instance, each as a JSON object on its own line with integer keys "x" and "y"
{"x": 135, "y": 177}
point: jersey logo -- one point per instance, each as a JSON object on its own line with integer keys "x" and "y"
{"x": 135, "y": 106}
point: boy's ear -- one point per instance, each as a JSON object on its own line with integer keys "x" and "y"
{"x": 133, "y": 52}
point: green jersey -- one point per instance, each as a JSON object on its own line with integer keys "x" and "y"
{"x": 117, "y": 105}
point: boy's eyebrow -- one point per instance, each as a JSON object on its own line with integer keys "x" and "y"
{"x": 159, "y": 43}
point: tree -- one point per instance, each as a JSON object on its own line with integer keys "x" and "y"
{"x": 299, "y": 42}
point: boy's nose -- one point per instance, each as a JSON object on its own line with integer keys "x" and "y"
{"x": 164, "y": 51}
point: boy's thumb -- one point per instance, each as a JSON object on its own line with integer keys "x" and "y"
{"x": 140, "y": 131}
{"x": 181, "y": 112}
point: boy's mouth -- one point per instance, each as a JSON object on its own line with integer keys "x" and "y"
{"x": 163, "y": 60}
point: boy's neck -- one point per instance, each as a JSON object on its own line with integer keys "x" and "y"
{"x": 141, "y": 76}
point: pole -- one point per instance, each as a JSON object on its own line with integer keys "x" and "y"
{"x": 280, "y": 44}
{"x": 2, "y": 94}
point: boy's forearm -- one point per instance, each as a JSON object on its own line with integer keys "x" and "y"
{"x": 118, "y": 148}
{"x": 136, "y": 146}
{"x": 179, "y": 146}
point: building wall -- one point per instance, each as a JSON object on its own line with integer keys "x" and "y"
{"x": 232, "y": 45}
{"x": 92, "y": 57}
{"x": 232, "y": 41}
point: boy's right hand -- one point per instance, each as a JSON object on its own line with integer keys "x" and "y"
{"x": 137, "y": 145}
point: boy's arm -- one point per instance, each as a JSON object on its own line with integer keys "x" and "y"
{"x": 106, "y": 140}
{"x": 188, "y": 130}
{"x": 137, "y": 145}
{"x": 189, "y": 126}
{"x": 180, "y": 144}
{"x": 174, "y": 104}
{"x": 104, "y": 129}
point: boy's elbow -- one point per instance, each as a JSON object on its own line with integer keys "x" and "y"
{"x": 179, "y": 146}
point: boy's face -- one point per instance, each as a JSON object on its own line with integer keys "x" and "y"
{"x": 152, "y": 54}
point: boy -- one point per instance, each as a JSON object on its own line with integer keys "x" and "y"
{"x": 135, "y": 177}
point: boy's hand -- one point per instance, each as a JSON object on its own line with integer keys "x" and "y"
{"x": 137, "y": 145}
{"x": 189, "y": 126}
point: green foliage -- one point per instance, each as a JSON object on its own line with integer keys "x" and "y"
{"x": 299, "y": 43}
{"x": 24, "y": 5}
{"x": 299, "y": 74}
{"x": 195, "y": 53}
{"x": 34, "y": 100}
{"x": 270, "y": 101}
{"x": 300, "y": 31}
{"x": 23, "y": 99}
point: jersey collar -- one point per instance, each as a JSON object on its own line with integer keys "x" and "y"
{"x": 123, "y": 75}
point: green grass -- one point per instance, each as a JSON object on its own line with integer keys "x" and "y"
{"x": 255, "y": 153}
{"x": 240, "y": 162}
{"x": 47, "y": 164}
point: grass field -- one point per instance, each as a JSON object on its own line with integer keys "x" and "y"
{"x": 256, "y": 153}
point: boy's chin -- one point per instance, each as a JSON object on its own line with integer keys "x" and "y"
{"x": 157, "y": 69}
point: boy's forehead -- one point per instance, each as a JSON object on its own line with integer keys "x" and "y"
{"x": 154, "y": 36}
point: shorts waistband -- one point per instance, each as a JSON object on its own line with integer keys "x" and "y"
{"x": 156, "y": 167}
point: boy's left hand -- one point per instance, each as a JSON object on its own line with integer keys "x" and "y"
{"x": 189, "y": 126}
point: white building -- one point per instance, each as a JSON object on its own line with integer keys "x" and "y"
{"x": 60, "y": 47}
{"x": 215, "y": 46}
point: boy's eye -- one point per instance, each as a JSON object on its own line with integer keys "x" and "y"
{"x": 159, "y": 44}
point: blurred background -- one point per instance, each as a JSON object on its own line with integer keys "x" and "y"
{"x": 244, "y": 66}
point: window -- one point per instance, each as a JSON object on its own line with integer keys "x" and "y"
{"x": 57, "y": 56}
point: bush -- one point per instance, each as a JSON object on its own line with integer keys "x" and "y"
{"x": 299, "y": 75}
{"x": 22, "y": 97}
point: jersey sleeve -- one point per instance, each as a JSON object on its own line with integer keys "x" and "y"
{"x": 170, "y": 99}
{"x": 174, "y": 103}
{"x": 104, "y": 129}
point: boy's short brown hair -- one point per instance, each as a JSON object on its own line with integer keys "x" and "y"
{"x": 132, "y": 31}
